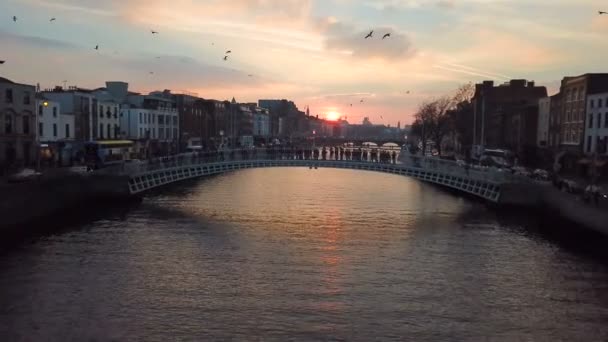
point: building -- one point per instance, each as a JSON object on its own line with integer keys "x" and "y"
{"x": 55, "y": 132}
{"x": 78, "y": 102}
{"x": 106, "y": 110}
{"x": 555, "y": 116}
{"x": 596, "y": 127}
{"x": 574, "y": 93}
{"x": 261, "y": 122}
{"x": 194, "y": 122}
{"x": 285, "y": 118}
{"x": 544, "y": 113}
{"x": 152, "y": 120}
{"x": 17, "y": 124}
{"x": 494, "y": 107}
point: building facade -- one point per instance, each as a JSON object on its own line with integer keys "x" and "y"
{"x": 17, "y": 124}
{"x": 53, "y": 125}
{"x": 555, "y": 116}
{"x": 544, "y": 114}
{"x": 495, "y": 106}
{"x": 261, "y": 122}
{"x": 596, "y": 126}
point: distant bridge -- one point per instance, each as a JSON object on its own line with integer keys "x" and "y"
{"x": 483, "y": 183}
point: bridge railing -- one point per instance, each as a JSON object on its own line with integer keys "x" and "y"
{"x": 395, "y": 159}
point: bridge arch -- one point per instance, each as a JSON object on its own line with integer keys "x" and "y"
{"x": 471, "y": 182}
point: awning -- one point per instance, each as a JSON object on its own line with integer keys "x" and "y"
{"x": 114, "y": 142}
{"x": 584, "y": 161}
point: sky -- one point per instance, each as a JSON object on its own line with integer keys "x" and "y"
{"x": 310, "y": 51}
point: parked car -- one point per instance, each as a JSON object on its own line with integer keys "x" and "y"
{"x": 24, "y": 175}
{"x": 539, "y": 174}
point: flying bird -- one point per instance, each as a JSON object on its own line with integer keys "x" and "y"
{"x": 151, "y": 72}
{"x": 602, "y": 12}
{"x": 225, "y": 58}
{"x": 229, "y": 51}
{"x": 14, "y": 18}
{"x": 361, "y": 101}
{"x": 351, "y": 104}
{"x": 370, "y": 34}
{"x": 96, "y": 47}
{"x": 407, "y": 92}
{"x": 157, "y": 57}
{"x": 250, "y": 75}
{"x": 386, "y": 35}
{"x": 2, "y": 62}
{"x": 52, "y": 19}
{"x": 154, "y": 32}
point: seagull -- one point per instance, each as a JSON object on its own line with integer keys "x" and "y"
{"x": 14, "y": 18}
{"x": 351, "y": 104}
{"x": 2, "y": 62}
{"x": 381, "y": 117}
{"x": 370, "y": 34}
{"x": 96, "y": 47}
{"x": 361, "y": 101}
{"x": 386, "y": 35}
{"x": 154, "y": 32}
{"x": 225, "y": 58}
{"x": 250, "y": 75}
{"x": 407, "y": 92}
{"x": 151, "y": 72}
{"x": 52, "y": 19}
{"x": 157, "y": 57}
{"x": 229, "y": 51}
{"x": 602, "y": 12}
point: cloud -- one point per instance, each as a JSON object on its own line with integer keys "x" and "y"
{"x": 31, "y": 41}
{"x": 345, "y": 38}
{"x": 446, "y": 4}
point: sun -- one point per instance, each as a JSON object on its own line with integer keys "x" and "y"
{"x": 332, "y": 116}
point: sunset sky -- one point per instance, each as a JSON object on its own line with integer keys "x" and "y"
{"x": 309, "y": 51}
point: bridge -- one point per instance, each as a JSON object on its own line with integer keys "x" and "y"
{"x": 484, "y": 183}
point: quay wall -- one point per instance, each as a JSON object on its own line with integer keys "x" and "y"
{"x": 23, "y": 203}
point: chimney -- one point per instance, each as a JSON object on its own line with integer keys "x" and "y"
{"x": 530, "y": 84}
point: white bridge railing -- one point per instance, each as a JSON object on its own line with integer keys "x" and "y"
{"x": 483, "y": 182}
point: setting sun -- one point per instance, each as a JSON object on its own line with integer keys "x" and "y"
{"x": 332, "y": 116}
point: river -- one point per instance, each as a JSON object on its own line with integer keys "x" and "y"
{"x": 278, "y": 254}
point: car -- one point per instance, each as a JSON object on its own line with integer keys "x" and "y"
{"x": 24, "y": 175}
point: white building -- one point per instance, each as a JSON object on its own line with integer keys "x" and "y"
{"x": 596, "y": 125}
{"x": 107, "y": 114}
{"x": 544, "y": 112}
{"x": 261, "y": 122}
{"x": 53, "y": 125}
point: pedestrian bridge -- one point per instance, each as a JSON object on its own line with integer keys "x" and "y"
{"x": 481, "y": 182}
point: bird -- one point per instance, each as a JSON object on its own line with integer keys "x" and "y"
{"x": 250, "y": 75}
{"x": 212, "y": 43}
{"x": 151, "y": 72}
{"x": 229, "y": 51}
{"x": 386, "y": 35}
{"x": 2, "y": 62}
{"x": 602, "y": 12}
{"x": 361, "y": 101}
{"x": 157, "y": 57}
{"x": 15, "y": 18}
{"x": 225, "y": 58}
{"x": 370, "y": 34}
{"x": 154, "y": 32}
{"x": 381, "y": 117}
{"x": 96, "y": 47}
{"x": 351, "y": 104}
{"x": 52, "y": 19}
{"x": 407, "y": 92}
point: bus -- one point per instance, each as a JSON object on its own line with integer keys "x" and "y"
{"x": 103, "y": 153}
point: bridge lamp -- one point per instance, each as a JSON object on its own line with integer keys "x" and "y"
{"x": 45, "y": 103}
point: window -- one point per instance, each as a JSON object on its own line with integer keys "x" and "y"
{"x": 175, "y": 133}
{"x": 115, "y": 112}
{"x": 116, "y": 131}
{"x": 26, "y": 97}
{"x": 8, "y": 124}
{"x": 592, "y": 102}
{"x": 9, "y": 96}
{"x": 141, "y": 120}
{"x": 40, "y": 129}
{"x": 161, "y": 119}
{"x": 599, "y": 103}
{"x": 599, "y": 120}
{"x": 589, "y": 144}
{"x": 109, "y": 130}
{"x": 590, "y": 120}
{"x": 40, "y": 110}
{"x": 606, "y": 120}
{"x": 167, "y": 134}
{"x": 175, "y": 121}
{"x": 108, "y": 112}
{"x": 55, "y": 130}
{"x": 26, "y": 124}
{"x": 141, "y": 131}
{"x": 54, "y": 112}
{"x": 100, "y": 131}
{"x": 67, "y": 130}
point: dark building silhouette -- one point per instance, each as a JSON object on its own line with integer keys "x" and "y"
{"x": 17, "y": 123}
{"x": 506, "y": 116}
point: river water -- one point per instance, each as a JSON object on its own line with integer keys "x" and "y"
{"x": 299, "y": 254}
